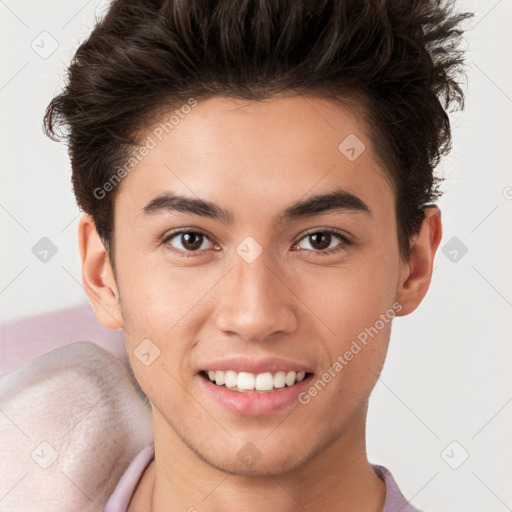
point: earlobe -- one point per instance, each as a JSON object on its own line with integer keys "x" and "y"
{"x": 97, "y": 275}
{"x": 417, "y": 271}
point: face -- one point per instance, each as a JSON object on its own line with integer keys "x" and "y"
{"x": 248, "y": 242}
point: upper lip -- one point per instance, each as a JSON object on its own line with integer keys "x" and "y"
{"x": 251, "y": 365}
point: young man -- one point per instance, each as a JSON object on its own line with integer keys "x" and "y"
{"x": 258, "y": 188}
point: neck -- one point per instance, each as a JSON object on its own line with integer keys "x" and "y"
{"x": 339, "y": 478}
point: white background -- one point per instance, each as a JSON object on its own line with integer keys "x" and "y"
{"x": 447, "y": 375}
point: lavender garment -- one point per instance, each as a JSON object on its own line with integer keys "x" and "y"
{"x": 120, "y": 498}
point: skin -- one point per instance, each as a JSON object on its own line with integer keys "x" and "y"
{"x": 255, "y": 159}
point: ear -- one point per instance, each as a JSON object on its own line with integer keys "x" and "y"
{"x": 417, "y": 270}
{"x": 97, "y": 275}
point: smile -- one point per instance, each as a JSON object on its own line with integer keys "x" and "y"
{"x": 244, "y": 382}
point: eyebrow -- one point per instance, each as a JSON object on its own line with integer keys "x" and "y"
{"x": 338, "y": 200}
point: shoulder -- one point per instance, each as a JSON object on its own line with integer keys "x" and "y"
{"x": 72, "y": 421}
{"x": 395, "y": 500}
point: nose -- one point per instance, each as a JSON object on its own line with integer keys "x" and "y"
{"x": 255, "y": 301}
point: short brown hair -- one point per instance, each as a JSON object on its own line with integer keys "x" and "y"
{"x": 399, "y": 57}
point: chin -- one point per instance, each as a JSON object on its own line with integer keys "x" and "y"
{"x": 250, "y": 461}
{"x": 274, "y": 467}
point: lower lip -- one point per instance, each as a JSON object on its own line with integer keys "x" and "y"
{"x": 252, "y": 403}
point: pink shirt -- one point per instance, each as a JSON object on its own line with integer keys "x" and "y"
{"x": 120, "y": 498}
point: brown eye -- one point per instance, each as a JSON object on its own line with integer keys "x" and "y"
{"x": 187, "y": 241}
{"x": 320, "y": 241}
{"x": 191, "y": 241}
{"x": 324, "y": 242}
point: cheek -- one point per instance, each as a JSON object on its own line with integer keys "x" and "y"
{"x": 352, "y": 297}
{"x": 156, "y": 296}
{"x": 167, "y": 306}
{"x": 357, "y": 301}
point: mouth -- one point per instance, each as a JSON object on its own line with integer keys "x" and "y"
{"x": 254, "y": 386}
{"x": 260, "y": 383}
{"x": 257, "y": 389}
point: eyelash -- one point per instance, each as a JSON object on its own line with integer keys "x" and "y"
{"x": 345, "y": 242}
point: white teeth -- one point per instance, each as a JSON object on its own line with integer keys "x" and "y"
{"x": 290, "y": 378}
{"x": 279, "y": 380}
{"x": 264, "y": 382}
{"x": 230, "y": 378}
{"x": 245, "y": 381}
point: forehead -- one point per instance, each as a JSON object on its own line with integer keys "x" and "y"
{"x": 273, "y": 151}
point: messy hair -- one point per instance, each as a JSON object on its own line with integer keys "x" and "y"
{"x": 399, "y": 60}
